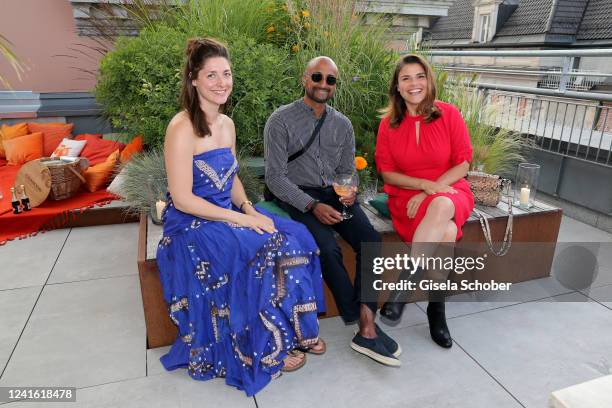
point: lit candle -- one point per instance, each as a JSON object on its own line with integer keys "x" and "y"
{"x": 524, "y": 197}
{"x": 159, "y": 206}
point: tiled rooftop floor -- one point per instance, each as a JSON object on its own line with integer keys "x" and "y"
{"x": 72, "y": 316}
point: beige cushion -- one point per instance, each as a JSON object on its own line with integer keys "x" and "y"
{"x": 596, "y": 393}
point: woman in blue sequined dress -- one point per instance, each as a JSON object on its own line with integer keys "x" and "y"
{"x": 244, "y": 287}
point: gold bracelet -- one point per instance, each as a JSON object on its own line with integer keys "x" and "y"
{"x": 246, "y": 202}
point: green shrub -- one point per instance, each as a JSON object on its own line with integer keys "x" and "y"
{"x": 263, "y": 81}
{"x": 139, "y": 83}
{"x": 269, "y": 43}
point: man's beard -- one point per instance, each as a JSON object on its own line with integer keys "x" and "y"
{"x": 312, "y": 95}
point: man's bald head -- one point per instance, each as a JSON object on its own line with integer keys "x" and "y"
{"x": 325, "y": 71}
{"x": 316, "y": 62}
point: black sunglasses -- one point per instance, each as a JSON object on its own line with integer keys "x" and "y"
{"x": 317, "y": 77}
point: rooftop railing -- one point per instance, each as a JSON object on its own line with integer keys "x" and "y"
{"x": 568, "y": 120}
{"x": 573, "y": 125}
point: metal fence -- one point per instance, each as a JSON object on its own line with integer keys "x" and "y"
{"x": 554, "y": 115}
{"x": 577, "y": 80}
{"x": 579, "y": 128}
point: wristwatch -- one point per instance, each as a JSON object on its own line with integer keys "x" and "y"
{"x": 311, "y": 206}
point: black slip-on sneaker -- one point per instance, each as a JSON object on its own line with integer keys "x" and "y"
{"x": 375, "y": 349}
{"x": 390, "y": 344}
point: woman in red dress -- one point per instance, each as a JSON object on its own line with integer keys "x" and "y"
{"x": 423, "y": 152}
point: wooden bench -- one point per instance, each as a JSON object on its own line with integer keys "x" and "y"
{"x": 117, "y": 212}
{"x": 538, "y": 224}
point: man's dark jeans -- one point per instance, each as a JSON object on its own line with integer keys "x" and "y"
{"x": 354, "y": 231}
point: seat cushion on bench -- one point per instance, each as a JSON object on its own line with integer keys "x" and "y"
{"x": 273, "y": 208}
{"x": 380, "y": 204}
{"x": 50, "y": 214}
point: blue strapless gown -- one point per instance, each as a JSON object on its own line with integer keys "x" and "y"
{"x": 241, "y": 300}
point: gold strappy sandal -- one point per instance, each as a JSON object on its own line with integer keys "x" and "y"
{"x": 295, "y": 353}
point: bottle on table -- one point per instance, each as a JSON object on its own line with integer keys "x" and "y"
{"x": 25, "y": 200}
{"x": 15, "y": 202}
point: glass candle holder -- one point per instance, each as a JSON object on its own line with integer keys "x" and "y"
{"x": 526, "y": 184}
{"x": 157, "y": 201}
{"x": 369, "y": 192}
{"x": 157, "y": 210}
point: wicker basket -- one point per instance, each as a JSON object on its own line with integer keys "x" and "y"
{"x": 66, "y": 177}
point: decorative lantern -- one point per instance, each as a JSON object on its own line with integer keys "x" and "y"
{"x": 526, "y": 184}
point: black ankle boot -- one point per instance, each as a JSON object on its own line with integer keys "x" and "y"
{"x": 437, "y": 324}
{"x": 393, "y": 308}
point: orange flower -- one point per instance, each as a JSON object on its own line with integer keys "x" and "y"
{"x": 295, "y": 48}
{"x": 270, "y": 29}
{"x": 360, "y": 163}
{"x": 305, "y": 13}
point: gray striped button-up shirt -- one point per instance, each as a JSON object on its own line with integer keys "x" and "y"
{"x": 332, "y": 152}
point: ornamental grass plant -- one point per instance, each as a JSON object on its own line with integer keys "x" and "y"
{"x": 495, "y": 150}
{"x": 145, "y": 180}
{"x": 270, "y": 43}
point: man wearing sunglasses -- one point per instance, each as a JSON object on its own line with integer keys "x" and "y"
{"x": 306, "y": 144}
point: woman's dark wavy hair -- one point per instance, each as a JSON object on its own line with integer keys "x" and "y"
{"x": 396, "y": 109}
{"x": 198, "y": 51}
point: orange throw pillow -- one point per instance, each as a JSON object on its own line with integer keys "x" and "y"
{"x": 10, "y": 132}
{"x": 88, "y": 136}
{"x": 23, "y": 149}
{"x": 97, "y": 150}
{"x": 135, "y": 146}
{"x": 99, "y": 175}
{"x": 53, "y": 134}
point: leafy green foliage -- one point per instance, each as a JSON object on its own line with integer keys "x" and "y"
{"x": 262, "y": 82}
{"x": 140, "y": 80}
{"x": 7, "y": 53}
{"x": 269, "y": 43}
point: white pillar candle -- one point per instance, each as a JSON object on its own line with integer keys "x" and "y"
{"x": 159, "y": 206}
{"x": 524, "y": 197}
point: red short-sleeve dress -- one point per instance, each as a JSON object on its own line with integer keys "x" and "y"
{"x": 443, "y": 143}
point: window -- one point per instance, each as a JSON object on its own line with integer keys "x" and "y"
{"x": 484, "y": 28}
